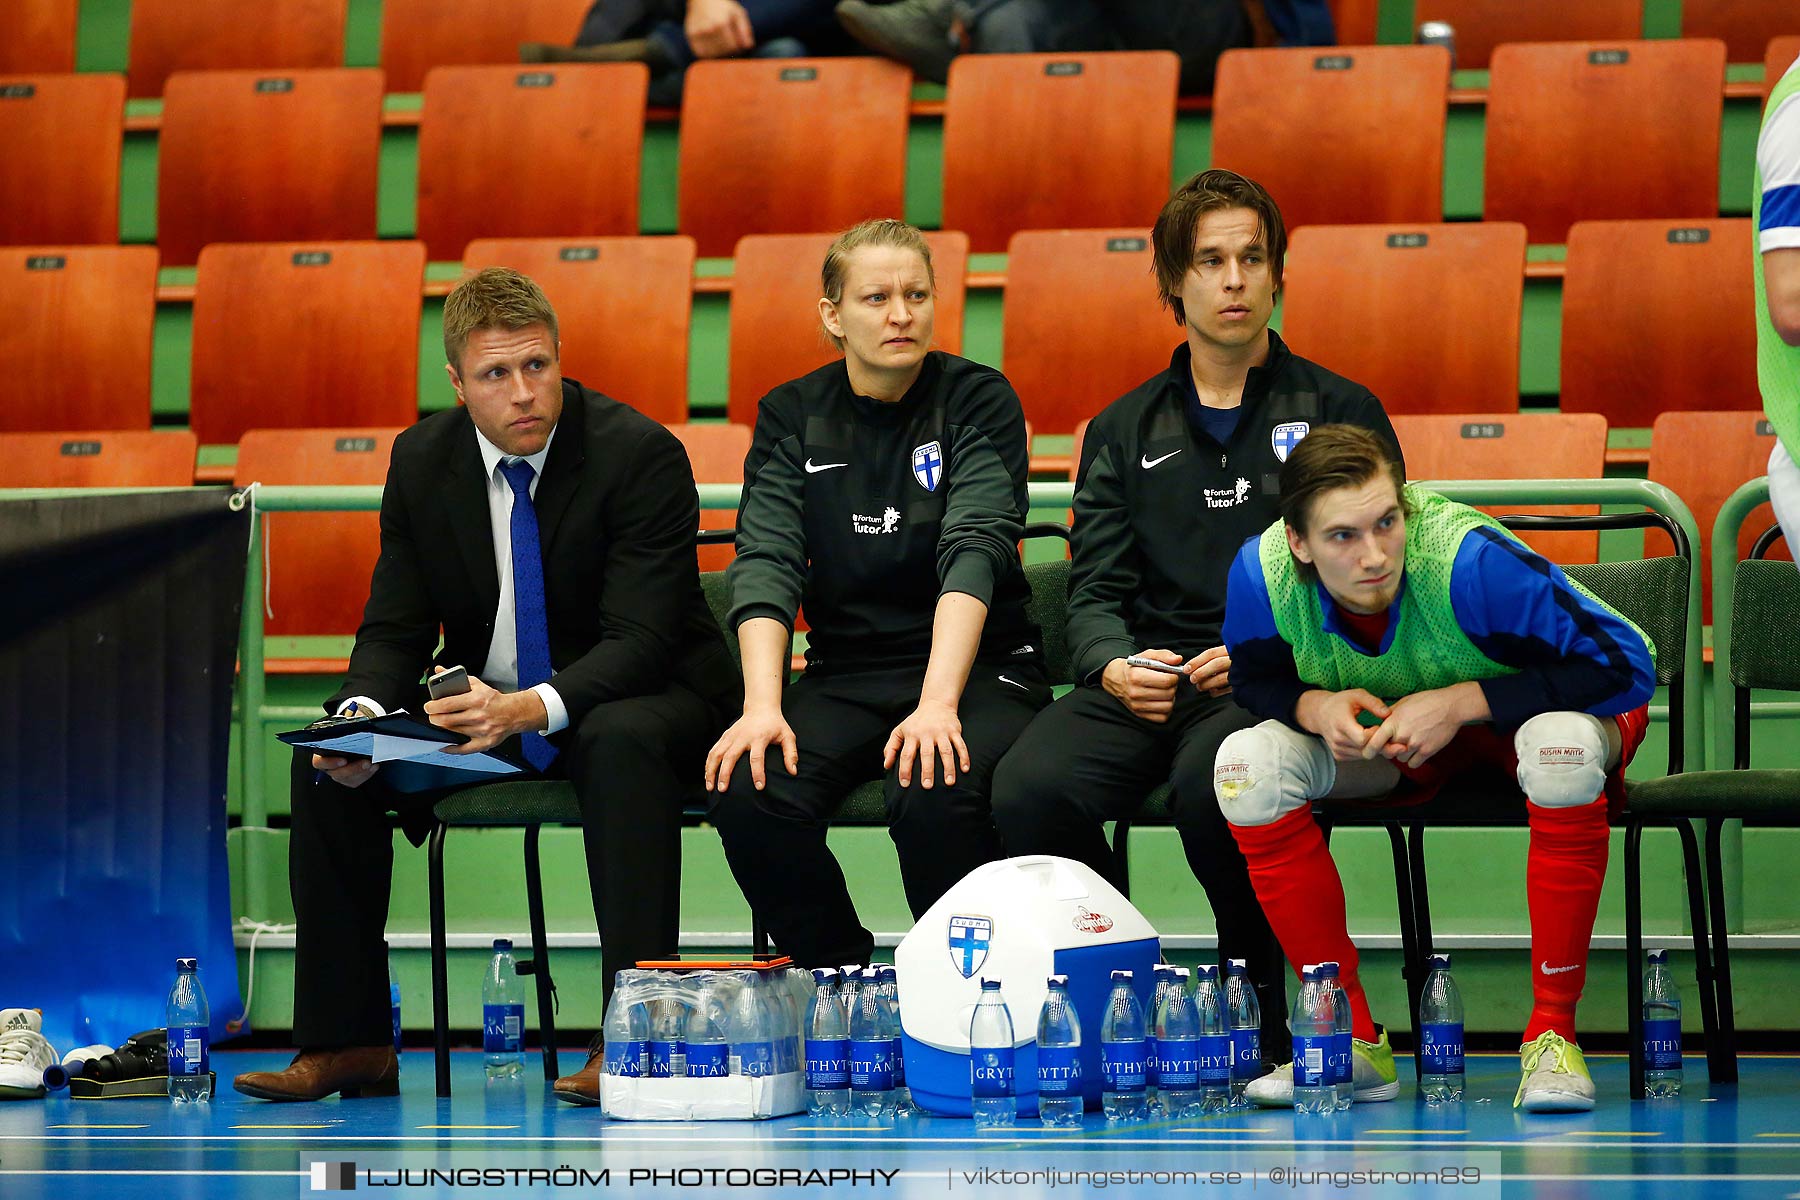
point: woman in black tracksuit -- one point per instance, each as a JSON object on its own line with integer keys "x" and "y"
{"x": 886, "y": 493}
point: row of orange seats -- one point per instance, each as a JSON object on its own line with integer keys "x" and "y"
{"x": 1428, "y": 316}
{"x": 303, "y": 547}
{"x": 1574, "y": 131}
{"x": 416, "y": 35}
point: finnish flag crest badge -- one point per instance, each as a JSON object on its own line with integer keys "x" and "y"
{"x": 969, "y": 941}
{"x": 1283, "y": 438}
{"x": 928, "y": 465}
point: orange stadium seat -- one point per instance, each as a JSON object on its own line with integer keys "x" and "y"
{"x": 1101, "y": 125}
{"x": 586, "y": 128}
{"x": 417, "y": 35}
{"x": 790, "y": 146}
{"x": 622, "y": 308}
{"x": 255, "y": 156}
{"x": 1482, "y": 25}
{"x": 37, "y": 37}
{"x": 1745, "y": 26}
{"x": 717, "y": 452}
{"x": 1777, "y": 59}
{"x": 98, "y": 458}
{"x": 1658, "y": 316}
{"x": 1603, "y": 130}
{"x": 76, "y": 323}
{"x": 1513, "y": 445}
{"x": 60, "y": 171}
{"x": 226, "y": 35}
{"x": 1082, "y": 325}
{"x": 775, "y": 330}
{"x": 1337, "y": 136}
{"x": 1435, "y": 324}
{"x": 1703, "y": 457}
{"x": 305, "y": 334}
{"x": 319, "y": 564}
{"x": 1355, "y": 21}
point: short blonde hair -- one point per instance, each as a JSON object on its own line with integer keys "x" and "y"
{"x": 883, "y": 231}
{"x": 493, "y": 298}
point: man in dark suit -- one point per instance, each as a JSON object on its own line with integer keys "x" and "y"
{"x": 548, "y": 531}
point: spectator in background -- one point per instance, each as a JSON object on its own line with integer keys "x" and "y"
{"x": 1777, "y": 217}
{"x": 927, "y": 34}
{"x": 670, "y": 35}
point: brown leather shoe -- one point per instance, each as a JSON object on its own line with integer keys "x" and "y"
{"x": 350, "y": 1071}
{"x": 583, "y": 1087}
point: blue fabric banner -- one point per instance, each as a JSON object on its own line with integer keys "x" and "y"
{"x": 118, "y": 640}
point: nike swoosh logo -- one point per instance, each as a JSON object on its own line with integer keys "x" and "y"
{"x": 813, "y": 468}
{"x": 1015, "y": 683}
{"x": 1547, "y": 969}
{"x": 1147, "y": 462}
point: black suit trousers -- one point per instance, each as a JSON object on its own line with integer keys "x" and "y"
{"x": 635, "y": 764}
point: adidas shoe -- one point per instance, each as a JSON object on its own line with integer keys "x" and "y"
{"x": 1372, "y": 1070}
{"x": 23, "y": 1054}
{"x": 1553, "y": 1076}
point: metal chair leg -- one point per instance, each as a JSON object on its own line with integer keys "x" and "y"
{"x": 1412, "y": 954}
{"x": 1703, "y": 961}
{"x": 540, "y": 954}
{"x": 1634, "y": 954}
{"x": 1721, "y": 1063}
{"x": 759, "y": 935}
{"x": 440, "y": 967}
{"x": 1421, "y": 892}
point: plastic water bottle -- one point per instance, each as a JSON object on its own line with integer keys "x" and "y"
{"x": 189, "y": 1023}
{"x": 991, "y": 1102}
{"x": 626, "y": 1029}
{"x": 850, "y": 983}
{"x": 1441, "y": 1035}
{"x": 1178, "y": 1050}
{"x": 827, "y": 1050}
{"x": 871, "y": 1052}
{"x": 708, "y": 1046}
{"x": 751, "y": 1029}
{"x": 668, "y": 1037}
{"x": 1662, "y": 1028}
{"x": 1059, "y": 1058}
{"x": 503, "y": 1016}
{"x": 1164, "y": 976}
{"x": 889, "y": 980}
{"x": 393, "y": 1001}
{"x": 784, "y": 1023}
{"x": 1243, "y": 1013}
{"x": 1343, "y": 1066}
{"x": 1123, "y": 1054}
{"x": 1215, "y": 1041}
{"x": 1315, "y": 1026}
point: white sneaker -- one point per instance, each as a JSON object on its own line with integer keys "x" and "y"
{"x": 1553, "y": 1076}
{"x": 1372, "y": 1071}
{"x": 23, "y": 1054}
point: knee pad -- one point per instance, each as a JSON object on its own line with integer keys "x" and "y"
{"x": 1266, "y": 772}
{"x": 1562, "y": 759}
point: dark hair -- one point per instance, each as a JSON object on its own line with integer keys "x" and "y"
{"x": 1172, "y": 239}
{"x": 1333, "y": 457}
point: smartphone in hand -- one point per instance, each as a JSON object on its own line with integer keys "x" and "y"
{"x": 453, "y": 681}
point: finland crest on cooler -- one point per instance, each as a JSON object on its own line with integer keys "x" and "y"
{"x": 1284, "y": 437}
{"x": 969, "y": 939}
{"x": 928, "y": 465}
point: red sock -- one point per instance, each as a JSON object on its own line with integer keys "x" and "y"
{"x": 1303, "y": 897}
{"x": 1563, "y": 872}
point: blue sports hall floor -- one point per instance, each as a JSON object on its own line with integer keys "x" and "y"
{"x": 1741, "y": 1140}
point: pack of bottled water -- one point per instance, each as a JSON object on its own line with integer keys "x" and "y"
{"x": 706, "y": 1044}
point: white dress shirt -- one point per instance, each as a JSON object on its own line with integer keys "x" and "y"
{"x": 501, "y": 671}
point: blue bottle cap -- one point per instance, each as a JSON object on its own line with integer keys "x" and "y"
{"x": 825, "y": 975}
{"x": 1328, "y": 970}
{"x": 990, "y": 985}
{"x": 187, "y": 964}
{"x": 1166, "y": 970}
{"x": 1440, "y": 962}
{"x": 1659, "y": 958}
{"x": 502, "y": 944}
{"x": 1237, "y": 966}
{"x": 887, "y": 973}
{"x": 1206, "y": 972}
{"x": 1118, "y": 975}
{"x": 1310, "y": 972}
{"x": 1057, "y": 981}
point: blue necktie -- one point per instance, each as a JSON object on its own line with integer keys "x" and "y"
{"x": 530, "y": 622}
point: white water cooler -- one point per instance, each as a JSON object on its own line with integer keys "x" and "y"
{"x": 1020, "y": 921}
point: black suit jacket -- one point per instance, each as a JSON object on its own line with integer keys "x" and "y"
{"x": 617, "y": 513}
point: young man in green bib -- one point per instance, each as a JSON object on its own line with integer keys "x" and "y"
{"x": 1392, "y": 639}
{"x": 1776, "y": 212}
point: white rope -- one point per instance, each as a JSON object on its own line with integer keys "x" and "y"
{"x": 257, "y": 929}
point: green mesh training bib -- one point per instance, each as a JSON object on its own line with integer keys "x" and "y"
{"x": 1777, "y": 363}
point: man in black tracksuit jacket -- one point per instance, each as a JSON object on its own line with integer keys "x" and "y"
{"x": 1174, "y": 476}
{"x": 880, "y": 516}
